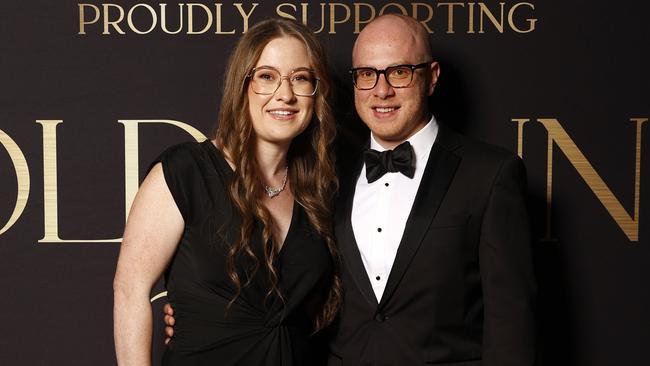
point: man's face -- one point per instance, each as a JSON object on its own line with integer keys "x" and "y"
{"x": 393, "y": 114}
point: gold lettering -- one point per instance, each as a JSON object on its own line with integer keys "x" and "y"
{"x": 426, "y": 21}
{"x": 470, "y": 18}
{"x": 549, "y": 172}
{"x": 154, "y": 18}
{"x": 283, "y": 14}
{"x": 244, "y": 14}
{"x": 333, "y": 20}
{"x": 50, "y": 190}
{"x": 50, "y": 205}
{"x": 637, "y": 170}
{"x": 549, "y": 188}
{"x": 190, "y": 18}
{"x": 163, "y": 18}
{"x": 82, "y": 17}
{"x": 520, "y": 135}
{"x": 113, "y": 23}
{"x": 357, "y": 15}
{"x": 629, "y": 225}
{"x": 218, "y": 21}
{"x": 400, "y": 7}
{"x": 131, "y": 166}
{"x": 484, "y": 10}
{"x": 22, "y": 178}
{"x": 450, "y": 14}
{"x": 322, "y": 17}
{"x": 531, "y": 21}
{"x": 305, "y": 8}
{"x": 338, "y": 13}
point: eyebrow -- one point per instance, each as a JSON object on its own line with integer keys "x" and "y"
{"x": 301, "y": 68}
{"x": 399, "y": 63}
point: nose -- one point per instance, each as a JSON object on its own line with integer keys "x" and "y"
{"x": 383, "y": 90}
{"x": 284, "y": 92}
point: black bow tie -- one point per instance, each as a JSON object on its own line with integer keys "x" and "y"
{"x": 399, "y": 159}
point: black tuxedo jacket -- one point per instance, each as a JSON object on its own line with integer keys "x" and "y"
{"x": 461, "y": 291}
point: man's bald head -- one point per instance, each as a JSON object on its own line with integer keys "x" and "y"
{"x": 399, "y": 29}
{"x": 394, "y": 113}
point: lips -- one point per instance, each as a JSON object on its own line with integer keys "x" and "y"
{"x": 282, "y": 113}
{"x": 384, "y": 109}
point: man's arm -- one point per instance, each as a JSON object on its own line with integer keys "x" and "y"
{"x": 508, "y": 280}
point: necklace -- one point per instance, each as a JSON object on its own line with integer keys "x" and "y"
{"x": 274, "y": 191}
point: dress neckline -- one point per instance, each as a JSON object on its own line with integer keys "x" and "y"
{"x": 220, "y": 163}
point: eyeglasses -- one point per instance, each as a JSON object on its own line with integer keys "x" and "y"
{"x": 399, "y": 76}
{"x": 266, "y": 80}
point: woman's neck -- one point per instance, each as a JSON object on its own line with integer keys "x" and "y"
{"x": 272, "y": 161}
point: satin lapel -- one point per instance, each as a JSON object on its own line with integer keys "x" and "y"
{"x": 438, "y": 174}
{"x": 347, "y": 244}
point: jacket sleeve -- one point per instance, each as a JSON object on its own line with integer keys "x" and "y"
{"x": 507, "y": 274}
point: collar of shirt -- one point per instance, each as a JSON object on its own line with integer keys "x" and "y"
{"x": 421, "y": 141}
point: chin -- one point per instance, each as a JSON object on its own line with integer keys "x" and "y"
{"x": 384, "y": 131}
{"x": 279, "y": 139}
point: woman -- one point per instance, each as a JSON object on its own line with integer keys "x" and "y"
{"x": 241, "y": 223}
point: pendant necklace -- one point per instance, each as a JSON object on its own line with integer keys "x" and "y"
{"x": 274, "y": 191}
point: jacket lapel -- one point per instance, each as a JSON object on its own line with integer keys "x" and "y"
{"x": 350, "y": 255}
{"x": 438, "y": 174}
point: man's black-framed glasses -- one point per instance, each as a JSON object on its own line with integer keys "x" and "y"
{"x": 398, "y": 76}
{"x": 266, "y": 80}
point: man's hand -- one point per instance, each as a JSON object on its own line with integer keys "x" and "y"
{"x": 169, "y": 322}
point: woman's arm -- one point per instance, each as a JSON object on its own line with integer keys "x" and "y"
{"x": 152, "y": 232}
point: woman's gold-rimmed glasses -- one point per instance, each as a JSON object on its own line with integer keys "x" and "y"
{"x": 266, "y": 80}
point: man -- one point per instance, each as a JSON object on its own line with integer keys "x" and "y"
{"x": 436, "y": 261}
{"x": 432, "y": 230}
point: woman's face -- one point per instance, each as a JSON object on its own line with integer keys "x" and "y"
{"x": 282, "y": 115}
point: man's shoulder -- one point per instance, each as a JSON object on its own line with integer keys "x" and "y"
{"x": 481, "y": 161}
{"x": 473, "y": 148}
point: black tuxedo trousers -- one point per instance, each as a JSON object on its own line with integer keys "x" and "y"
{"x": 461, "y": 291}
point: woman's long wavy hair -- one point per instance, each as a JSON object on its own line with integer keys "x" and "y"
{"x": 311, "y": 166}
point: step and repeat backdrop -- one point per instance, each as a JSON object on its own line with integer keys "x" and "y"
{"x": 91, "y": 92}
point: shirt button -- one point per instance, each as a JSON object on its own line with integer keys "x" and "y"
{"x": 379, "y": 229}
{"x": 386, "y": 184}
{"x": 378, "y": 278}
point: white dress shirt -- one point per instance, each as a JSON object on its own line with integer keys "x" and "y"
{"x": 380, "y": 209}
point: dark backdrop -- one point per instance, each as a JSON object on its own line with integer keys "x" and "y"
{"x": 573, "y": 75}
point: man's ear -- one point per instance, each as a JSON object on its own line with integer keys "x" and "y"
{"x": 434, "y": 73}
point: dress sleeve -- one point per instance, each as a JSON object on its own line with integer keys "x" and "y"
{"x": 179, "y": 169}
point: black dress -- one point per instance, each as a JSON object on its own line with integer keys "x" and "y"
{"x": 258, "y": 329}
